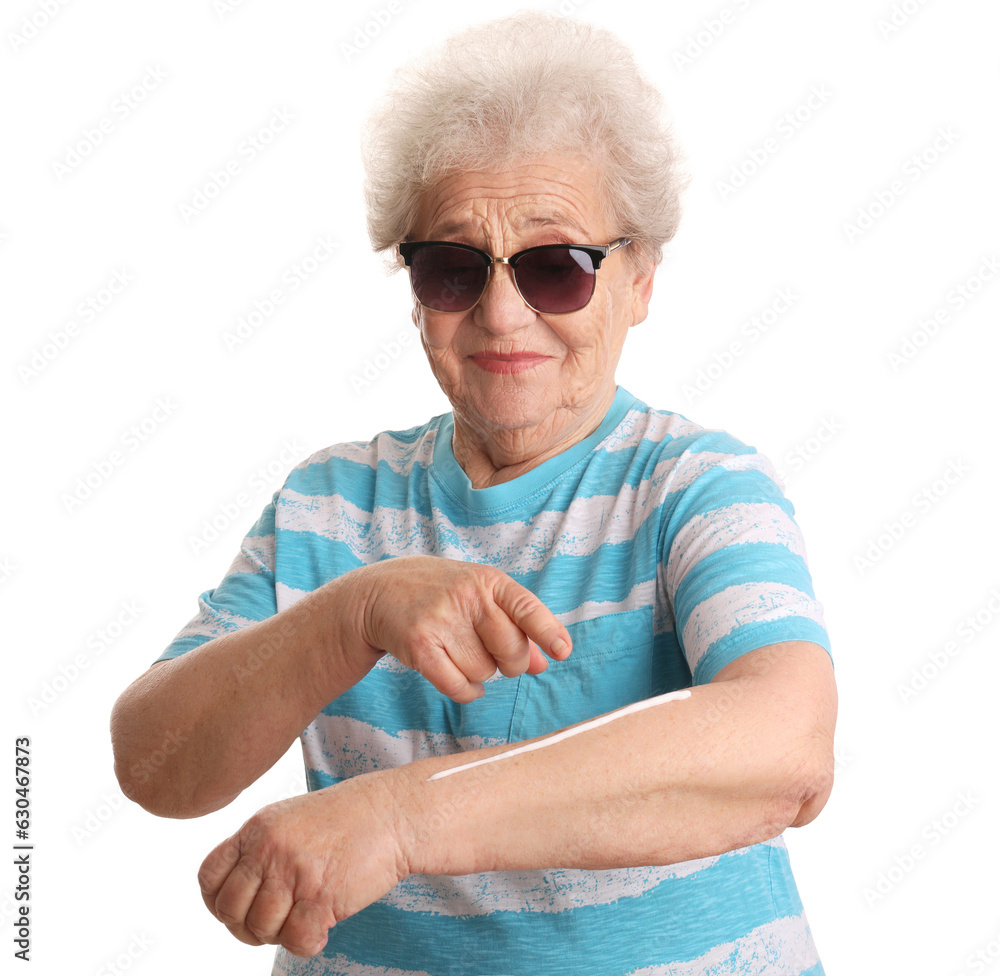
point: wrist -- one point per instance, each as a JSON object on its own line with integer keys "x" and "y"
{"x": 421, "y": 822}
{"x": 345, "y": 657}
{"x": 447, "y": 826}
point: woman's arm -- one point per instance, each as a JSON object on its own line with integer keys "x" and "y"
{"x": 744, "y": 757}
{"x": 191, "y": 733}
{"x": 737, "y": 762}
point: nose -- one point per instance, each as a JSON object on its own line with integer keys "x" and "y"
{"x": 502, "y": 310}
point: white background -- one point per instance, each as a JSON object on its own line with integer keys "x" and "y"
{"x": 109, "y": 878}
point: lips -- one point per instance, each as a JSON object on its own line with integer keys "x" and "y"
{"x": 507, "y": 362}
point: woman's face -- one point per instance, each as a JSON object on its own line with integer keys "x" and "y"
{"x": 511, "y": 372}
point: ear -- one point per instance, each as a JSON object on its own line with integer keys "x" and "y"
{"x": 642, "y": 291}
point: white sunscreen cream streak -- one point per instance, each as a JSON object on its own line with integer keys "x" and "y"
{"x": 559, "y": 736}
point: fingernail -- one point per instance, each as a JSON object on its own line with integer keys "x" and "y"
{"x": 559, "y": 647}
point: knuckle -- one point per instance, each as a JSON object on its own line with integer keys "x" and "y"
{"x": 422, "y": 641}
{"x": 480, "y": 579}
{"x": 490, "y": 576}
{"x": 469, "y": 594}
{"x": 260, "y": 833}
{"x": 522, "y": 603}
{"x": 206, "y": 876}
{"x": 423, "y": 652}
{"x": 250, "y": 867}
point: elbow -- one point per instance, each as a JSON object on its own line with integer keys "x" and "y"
{"x": 811, "y": 784}
{"x": 137, "y": 786}
{"x": 171, "y": 806}
{"x": 144, "y": 784}
{"x": 796, "y": 794}
{"x": 763, "y": 809}
{"x": 812, "y": 802}
{"x": 151, "y": 777}
{"x": 159, "y": 795}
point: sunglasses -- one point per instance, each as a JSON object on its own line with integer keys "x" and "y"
{"x": 450, "y": 277}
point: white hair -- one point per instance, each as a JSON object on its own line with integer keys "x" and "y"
{"x": 518, "y": 88}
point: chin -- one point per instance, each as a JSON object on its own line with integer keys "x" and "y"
{"x": 507, "y": 409}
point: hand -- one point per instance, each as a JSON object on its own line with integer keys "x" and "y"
{"x": 457, "y": 623}
{"x": 299, "y": 866}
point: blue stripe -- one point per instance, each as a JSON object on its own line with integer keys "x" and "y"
{"x": 719, "y": 905}
{"x": 251, "y": 593}
{"x": 181, "y": 645}
{"x": 754, "y": 635}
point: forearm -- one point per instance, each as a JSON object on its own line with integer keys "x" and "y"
{"x": 720, "y": 770}
{"x": 191, "y": 733}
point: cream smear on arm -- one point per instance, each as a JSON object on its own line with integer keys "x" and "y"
{"x": 566, "y": 733}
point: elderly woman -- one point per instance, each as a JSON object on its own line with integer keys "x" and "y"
{"x": 550, "y": 551}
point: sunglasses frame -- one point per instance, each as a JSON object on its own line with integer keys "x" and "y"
{"x": 596, "y": 252}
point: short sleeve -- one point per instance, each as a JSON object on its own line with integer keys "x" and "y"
{"x": 735, "y": 561}
{"x": 245, "y": 596}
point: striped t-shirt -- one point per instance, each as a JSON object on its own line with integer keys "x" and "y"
{"x": 668, "y": 550}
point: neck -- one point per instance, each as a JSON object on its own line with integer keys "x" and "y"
{"x": 493, "y": 456}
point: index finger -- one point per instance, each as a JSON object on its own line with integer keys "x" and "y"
{"x": 533, "y": 618}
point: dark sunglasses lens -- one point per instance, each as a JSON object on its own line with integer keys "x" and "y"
{"x": 556, "y": 279}
{"x": 448, "y": 279}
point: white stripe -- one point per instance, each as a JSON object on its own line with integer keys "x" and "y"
{"x": 743, "y": 523}
{"x": 247, "y": 563}
{"x": 255, "y": 557}
{"x": 200, "y": 627}
{"x": 259, "y": 548}
{"x": 393, "y": 532}
{"x": 285, "y": 595}
{"x": 285, "y": 964}
{"x": 641, "y": 595}
{"x": 389, "y": 663}
{"x": 783, "y": 947}
{"x": 652, "y": 425}
{"x": 719, "y": 615}
{"x": 398, "y": 454}
{"x": 212, "y": 623}
{"x": 343, "y": 747}
{"x": 751, "y": 462}
{"x": 554, "y": 890}
{"x": 534, "y": 891}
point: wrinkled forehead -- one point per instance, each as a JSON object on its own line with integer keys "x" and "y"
{"x": 559, "y": 199}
